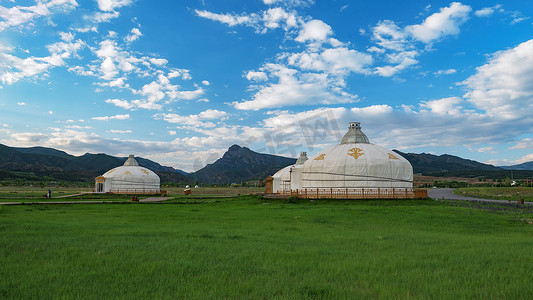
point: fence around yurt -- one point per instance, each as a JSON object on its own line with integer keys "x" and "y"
{"x": 357, "y": 193}
{"x": 133, "y": 191}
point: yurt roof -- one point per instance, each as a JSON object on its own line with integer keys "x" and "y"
{"x": 132, "y": 172}
{"x": 354, "y": 135}
{"x": 283, "y": 174}
{"x": 302, "y": 159}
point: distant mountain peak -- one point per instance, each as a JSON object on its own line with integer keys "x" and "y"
{"x": 241, "y": 163}
{"x": 235, "y": 147}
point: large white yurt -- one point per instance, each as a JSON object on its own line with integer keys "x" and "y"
{"x": 357, "y": 163}
{"x": 129, "y": 178}
{"x": 355, "y": 167}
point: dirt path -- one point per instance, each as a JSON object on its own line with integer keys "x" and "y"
{"x": 73, "y": 195}
{"x": 449, "y": 195}
{"x": 155, "y": 199}
{"x": 145, "y": 200}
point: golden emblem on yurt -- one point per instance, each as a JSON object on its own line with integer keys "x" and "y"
{"x": 320, "y": 157}
{"x": 391, "y": 156}
{"x": 355, "y": 152}
{"x": 145, "y": 172}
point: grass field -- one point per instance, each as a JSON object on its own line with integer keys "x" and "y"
{"x": 498, "y": 193}
{"x": 249, "y": 247}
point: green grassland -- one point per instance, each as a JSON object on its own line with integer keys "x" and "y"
{"x": 498, "y": 193}
{"x": 250, "y": 247}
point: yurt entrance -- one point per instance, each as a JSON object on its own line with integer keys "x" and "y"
{"x": 100, "y": 184}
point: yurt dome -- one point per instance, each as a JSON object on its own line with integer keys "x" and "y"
{"x": 356, "y": 163}
{"x": 283, "y": 179}
{"x": 129, "y": 178}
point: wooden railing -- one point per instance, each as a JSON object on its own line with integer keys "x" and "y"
{"x": 136, "y": 191}
{"x": 357, "y": 193}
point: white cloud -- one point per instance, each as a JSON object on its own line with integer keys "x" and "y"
{"x": 526, "y": 143}
{"x": 397, "y": 45}
{"x": 332, "y": 60}
{"x": 294, "y": 88}
{"x": 181, "y": 73}
{"x": 108, "y": 48}
{"x": 115, "y": 117}
{"x": 487, "y": 11}
{"x": 185, "y": 95}
{"x": 19, "y": 15}
{"x": 66, "y": 36}
{"x": 205, "y": 82}
{"x": 212, "y": 114}
{"x": 150, "y": 105}
{"x": 518, "y": 20}
{"x": 108, "y": 69}
{"x": 110, "y": 5}
{"x": 78, "y": 127}
{"x": 195, "y": 120}
{"x": 134, "y": 35}
{"x": 21, "y": 103}
{"x": 28, "y": 137}
{"x": 120, "y": 103}
{"x": 278, "y": 17}
{"x": 115, "y": 66}
{"x": 502, "y": 87}
{"x": 119, "y": 131}
{"x": 446, "y": 22}
{"x": 314, "y": 30}
{"x": 525, "y": 158}
{"x": 445, "y": 72}
{"x": 102, "y": 17}
{"x": 289, "y": 2}
{"x": 390, "y": 36}
{"x": 266, "y": 20}
{"x": 158, "y": 61}
{"x": 489, "y": 149}
{"x": 27, "y": 67}
{"x": 86, "y": 29}
{"x": 402, "y": 61}
{"x": 444, "y": 106}
{"x": 228, "y": 19}
{"x": 373, "y": 110}
{"x": 154, "y": 91}
{"x": 256, "y": 76}
{"x": 13, "y": 68}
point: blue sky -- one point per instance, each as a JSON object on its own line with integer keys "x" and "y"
{"x": 181, "y": 81}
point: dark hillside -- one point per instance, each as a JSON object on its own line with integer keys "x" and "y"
{"x": 240, "y": 164}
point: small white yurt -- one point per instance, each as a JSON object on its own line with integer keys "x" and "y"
{"x": 284, "y": 179}
{"x": 129, "y": 178}
{"x": 281, "y": 182}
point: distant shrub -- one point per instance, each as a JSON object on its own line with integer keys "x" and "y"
{"x": 293, "y": 199}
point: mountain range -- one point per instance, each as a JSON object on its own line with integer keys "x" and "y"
{"x": 523, "y": 166}
{"x": 236, "y": 165}
{"x": 41, "y": 162}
